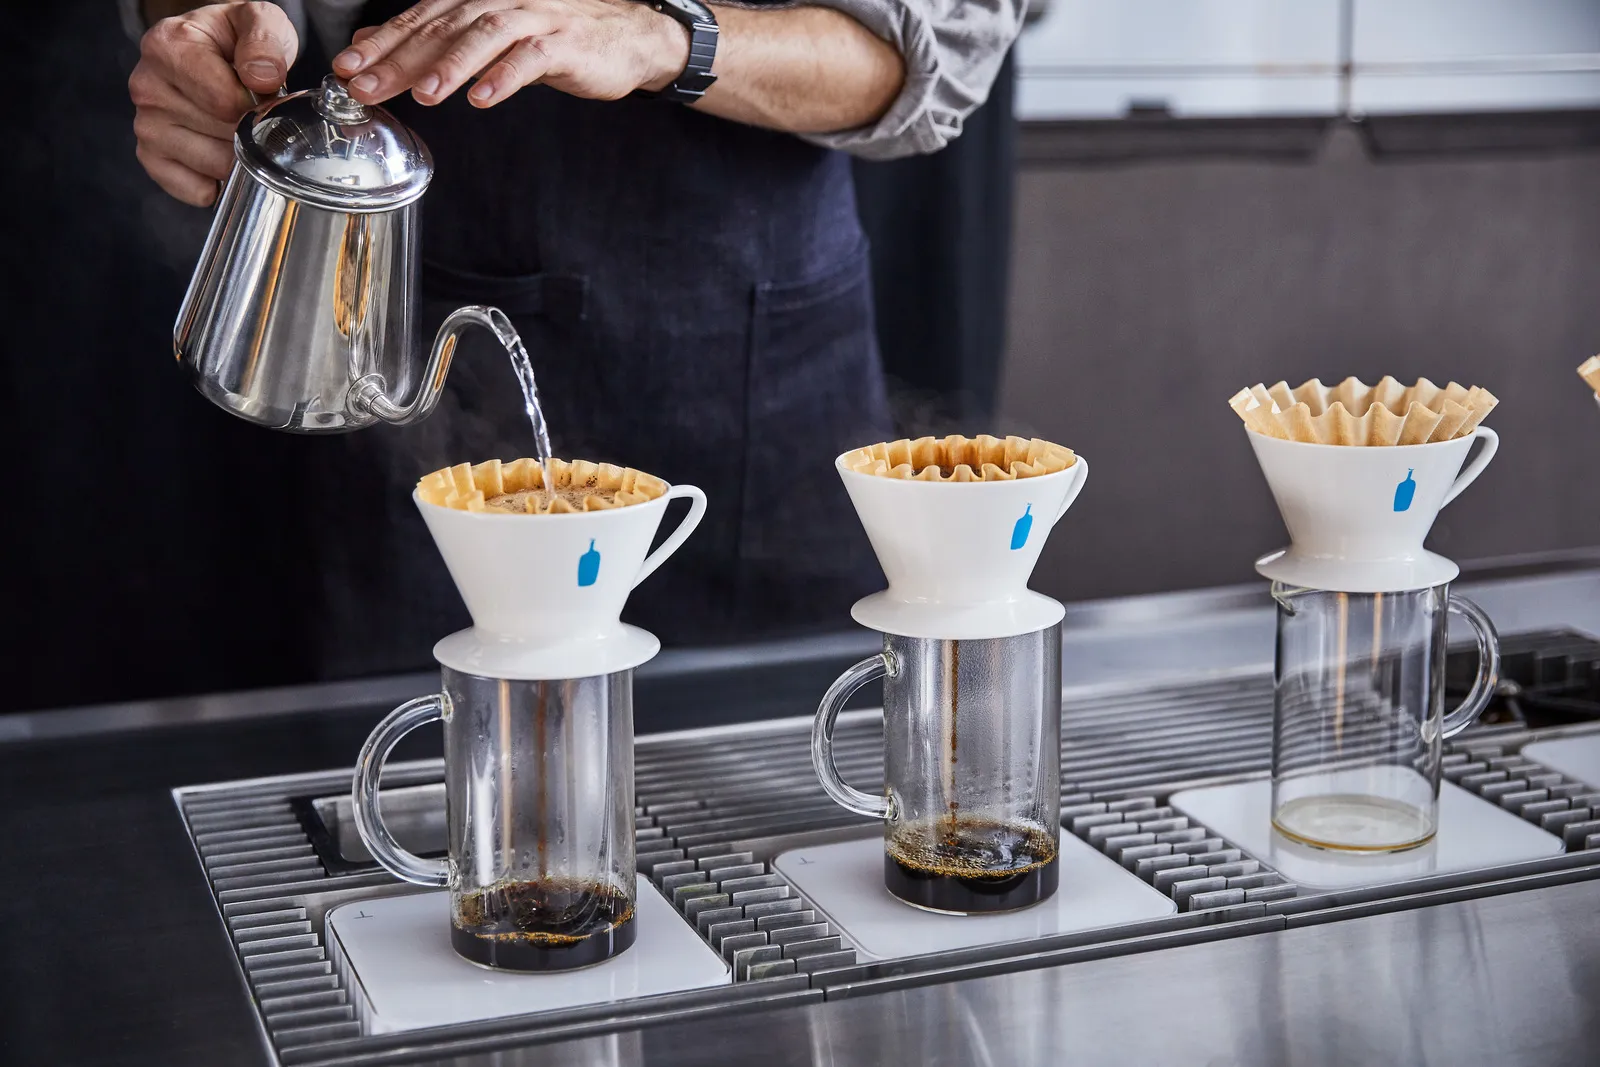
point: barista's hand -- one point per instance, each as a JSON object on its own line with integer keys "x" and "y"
{"x": 601, "y": 49}
{"x": 189, "y": 90}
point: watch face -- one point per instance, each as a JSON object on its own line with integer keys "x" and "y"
{"x": 692, "y": 8}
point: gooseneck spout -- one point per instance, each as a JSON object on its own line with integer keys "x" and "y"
{"x": 369, "y": 394}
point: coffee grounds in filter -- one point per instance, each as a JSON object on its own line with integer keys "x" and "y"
{"x": 518, "y": 487}
{"x": 961, "y": 459}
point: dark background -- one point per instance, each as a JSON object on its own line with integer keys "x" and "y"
{"x": 158, "y": 547}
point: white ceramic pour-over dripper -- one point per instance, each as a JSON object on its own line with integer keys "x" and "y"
{"x": 546, "y": 591}
{"x": 1357, "y": 515}
{"x": 958, "y": 554}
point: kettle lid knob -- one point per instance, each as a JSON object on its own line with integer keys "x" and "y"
{"x": 336, "y": 104}
{"x": 325, "y": 148}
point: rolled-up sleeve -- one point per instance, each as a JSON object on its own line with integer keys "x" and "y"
{"x": 952, "y": 49}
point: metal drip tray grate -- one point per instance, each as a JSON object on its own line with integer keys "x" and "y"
{"x": 715, "y": 808}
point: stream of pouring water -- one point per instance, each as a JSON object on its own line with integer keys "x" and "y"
{"x": 523, "y": 366}
{"x": 530, "y": 402}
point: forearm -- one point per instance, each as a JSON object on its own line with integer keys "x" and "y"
{"x": 801, "y": 70}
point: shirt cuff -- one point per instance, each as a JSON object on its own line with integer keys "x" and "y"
{"x": 952, "y": 50}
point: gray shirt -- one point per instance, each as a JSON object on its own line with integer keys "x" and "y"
{"x": 952, "y": 49}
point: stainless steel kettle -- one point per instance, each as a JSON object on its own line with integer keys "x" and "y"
{"x": 301, "y": 314}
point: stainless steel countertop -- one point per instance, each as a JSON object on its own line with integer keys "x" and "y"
{"x": 1513, "y": 978}
{"x": 1507, "y": 980}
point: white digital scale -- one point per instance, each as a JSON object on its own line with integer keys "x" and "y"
{"x": 1576, "y": 757}
{"x": 395, "y": 956}
{"x": 845, "y": 882}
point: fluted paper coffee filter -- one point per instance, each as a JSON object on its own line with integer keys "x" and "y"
{"x": 1354, "y": 413}
{"x": 518, "y": 487}
{"x": 1589, "y": 371}
{"x": 960, "y": 459}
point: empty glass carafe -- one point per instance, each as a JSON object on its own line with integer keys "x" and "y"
{"x": 539, "y": 808}
{"x": 1358, "y": 713}
{"x": 972, "y": 767}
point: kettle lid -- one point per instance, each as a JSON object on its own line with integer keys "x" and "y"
{"x": 323, "y": 147}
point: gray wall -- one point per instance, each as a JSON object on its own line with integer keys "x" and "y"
{"x": 1145, "y": 294}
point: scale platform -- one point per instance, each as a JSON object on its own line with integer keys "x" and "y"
{"x": 845, "y": 881}
{"x": 395, "y": 957}
{"x": 1576, "y": 757}
{"x": 1473, "y": 835}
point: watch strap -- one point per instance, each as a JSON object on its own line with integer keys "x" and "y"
{"x": 704, "y": 34}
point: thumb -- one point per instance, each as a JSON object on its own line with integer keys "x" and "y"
{"x": 265, "y": 45}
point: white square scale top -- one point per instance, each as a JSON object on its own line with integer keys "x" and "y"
{"x": 1473, "y": 835}
{"x": 402, "y": 974}
{"x": 845, "y": 881}
{"x": 1576, "y": 757}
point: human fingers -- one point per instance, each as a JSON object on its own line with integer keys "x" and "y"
{"x": 185, "y": 52}
{"x": 525, "y": 63}
{"x": 410, "y": 63}
{"x": 371, "y": 43}
{"x": 496, "y": 35}
{"x": 151, "y": 91}
{"x": 264, "y": 45}
{"x": 178, "y": 180}
{"x": 162, "y": 135}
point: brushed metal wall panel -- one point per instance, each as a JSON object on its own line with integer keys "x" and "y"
{"x": 1145, "y": 294}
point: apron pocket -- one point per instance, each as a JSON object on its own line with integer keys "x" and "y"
{"x": 561, "y": 298}
{"x": 815, "y": 389}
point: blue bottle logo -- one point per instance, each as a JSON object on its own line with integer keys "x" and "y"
{"x": 588, "y": 566}
{"x": 1405, "y": 491}
{"x": 1024, "y": 526}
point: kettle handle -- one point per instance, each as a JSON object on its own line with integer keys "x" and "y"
{"x": 367, "y": 396}
{"x": 255, "y": 97}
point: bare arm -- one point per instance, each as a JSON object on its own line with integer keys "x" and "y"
{"x": 801, "y": 69}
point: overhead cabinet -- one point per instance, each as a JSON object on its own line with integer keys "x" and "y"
{"x": 1102, "y": 59}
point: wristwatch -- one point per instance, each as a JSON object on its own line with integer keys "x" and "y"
{"x": 703, "y": 33}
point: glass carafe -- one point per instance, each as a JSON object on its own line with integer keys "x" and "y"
{"x": 539, "y": 809}
{"x": 972, "y": 768}
{"x": 1358, "y": 713}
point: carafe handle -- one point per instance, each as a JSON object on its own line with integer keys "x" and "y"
{"x": 1488, "y": 667}
{"x": 367, "y": 393}
{"x": 364, "y": 794}
{"x": 846, "y": 796}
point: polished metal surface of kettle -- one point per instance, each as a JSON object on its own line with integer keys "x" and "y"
{"x": 301, "y": 314}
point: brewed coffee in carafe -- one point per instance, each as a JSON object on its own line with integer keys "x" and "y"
{"x": 537, "y": 707}
{"x": 971, "y": 667}
{"x": 972, "y": 768}
{"x": 539, "y": 812}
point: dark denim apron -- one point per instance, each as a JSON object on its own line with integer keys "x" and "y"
{"x": 695, "y": 296}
